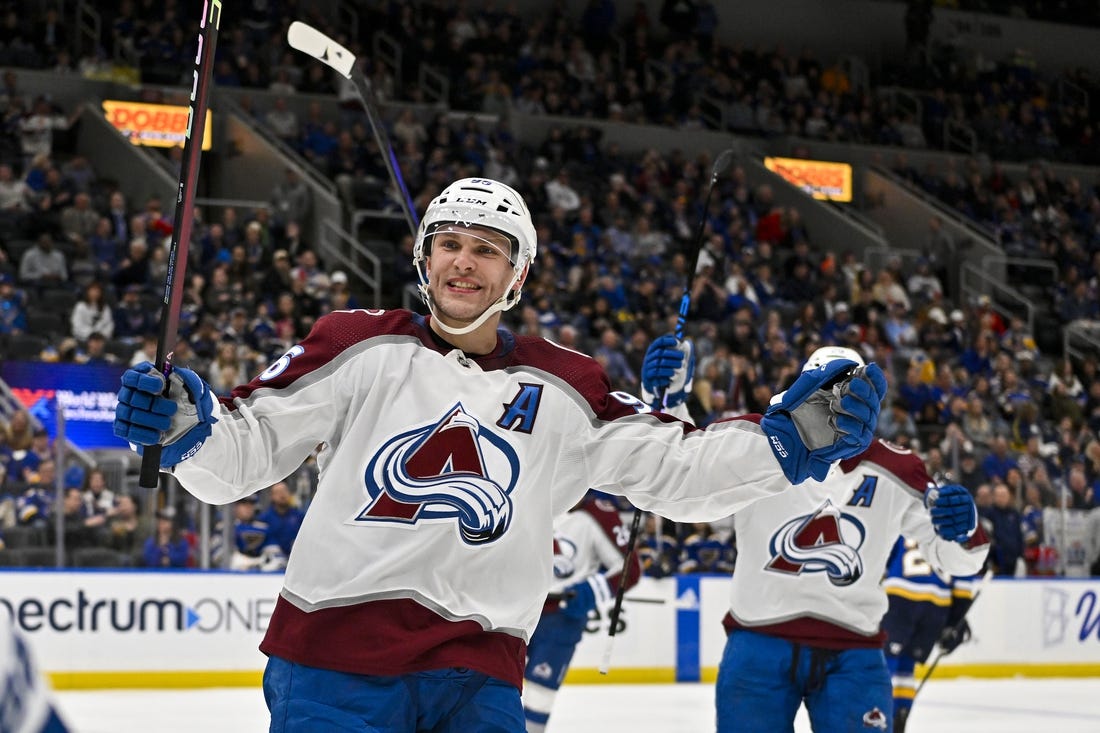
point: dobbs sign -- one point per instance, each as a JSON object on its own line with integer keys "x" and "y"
{"x": 822, "y": 180}
{"x": 155, "y": 125}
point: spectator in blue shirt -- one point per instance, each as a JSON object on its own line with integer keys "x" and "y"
{"x": 282, "y": 517}
{"x": 13, "y": 307}
{"x": 1004, "y": 525}
{"x": 914, "y": 391}
{"x": 997, "y": 464}
{"x": 167, "y": 547}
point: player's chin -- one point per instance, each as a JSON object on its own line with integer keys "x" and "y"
{"x": 458, "y": 315}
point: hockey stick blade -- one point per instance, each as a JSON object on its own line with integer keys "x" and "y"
{"x": 307, "y": 39}
{"x": 722, "y": 163}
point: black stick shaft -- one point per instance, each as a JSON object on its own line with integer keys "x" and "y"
{"x": 939, "y": 654}
{"x": 617, "y": 609}
{"x": 385, "y": 148}
{"x": 721, "y": 163}
{"x": 632, "y": 543}
{"x": 185, "y": 207}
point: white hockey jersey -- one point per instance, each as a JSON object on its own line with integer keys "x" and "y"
{"x": 427, "y": 544}
{"x": 810, "y": 563}
{"x": 591, "y": 542}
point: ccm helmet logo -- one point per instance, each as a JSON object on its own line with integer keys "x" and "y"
{"x": 778, "y": 445}
{"x": 469, "y": 200}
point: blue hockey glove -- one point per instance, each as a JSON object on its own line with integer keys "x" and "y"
{"x": 585, "y": 596}
{"x": 668, "y": 369}
{"x": 180, "y": 422}
{"x": 954, "y": 514}
{"x": 827, "y": 415}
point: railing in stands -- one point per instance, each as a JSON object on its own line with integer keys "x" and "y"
{"x": 1081, "y": 339}
{"x": 387, "y": 50}
{"x": 337, "y": 244}
{"x": 980, "y": 231}
{"x": 303, "y": 166}
{"x": 657, "y": 75}
{"x": 975, "y": 280}
{"x": 434, "y": 85}
{"x": 617, "y": 49}
{"x": 903, "y": 101}
{"x": 89, "y": 26}
{"x": 959, "y": 136}
{"x": 859, "y": 76}
{"x": 1071, "y": 94}
{"x": 875, "y": 258}
{"x": 347, "y": 17}
{"x": 713, "y": 110}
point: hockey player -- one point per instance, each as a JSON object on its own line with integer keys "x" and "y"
{"x": 589, "y": 547}
{"x": 25, "y": 705}
{"x": 925, "y": 607}
{"x": 450, "y": 444}
{"x": 805, "y": 603}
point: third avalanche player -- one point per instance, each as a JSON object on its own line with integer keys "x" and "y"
{"x": 589, "y": 547}
{"x": 806, "y": 603}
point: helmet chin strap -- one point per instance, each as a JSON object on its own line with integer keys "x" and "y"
{"x": 500, "y": 304}
{"x": 476, "y": 324}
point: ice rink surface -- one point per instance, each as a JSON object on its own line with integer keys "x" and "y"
{"x": 948, "y": 706}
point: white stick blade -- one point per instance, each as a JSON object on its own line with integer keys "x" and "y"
{"x": 308, "y": 39}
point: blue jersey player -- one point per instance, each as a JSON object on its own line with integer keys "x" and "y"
{"x": 925, "y": 607}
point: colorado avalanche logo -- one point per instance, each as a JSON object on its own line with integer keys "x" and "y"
{"x": 444, "y": 472}
{"x": 826, "y": 541}
{"x": 565, "y": 553}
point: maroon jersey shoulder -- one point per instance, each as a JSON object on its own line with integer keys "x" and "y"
{"x": 579, "y": 371}
{"x": 331, "y": 335}
{"x": 607, "y": 516}
{"x": 753, "y": 417}
{"x": 902, "y": 462}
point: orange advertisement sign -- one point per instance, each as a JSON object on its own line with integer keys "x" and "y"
{"x": 155, "y": 125}
{"x": 822, "y": 180}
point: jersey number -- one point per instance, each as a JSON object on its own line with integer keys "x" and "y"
{"x": 282, "y": 363}
{"x": 913, "y": 563}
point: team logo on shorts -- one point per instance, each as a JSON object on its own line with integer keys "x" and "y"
{"x": 874, "y": 718}
{"x": 452, "y": 470}
{"x": 826, "y": 541}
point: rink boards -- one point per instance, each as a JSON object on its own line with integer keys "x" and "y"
{"x": 99, "y": 629}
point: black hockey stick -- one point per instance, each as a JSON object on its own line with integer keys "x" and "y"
{"x": 559, "y": 597}
{"x": 720, "y": 166}
{"x": 185, "y": 211}
{"x": 617, "y": 609}
{"x": 940, "y": 654}
{"x": 309, "y": 40}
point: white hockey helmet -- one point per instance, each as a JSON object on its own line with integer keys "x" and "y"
{"x": 486, "y": 203}
{"x": 830, "y": 353}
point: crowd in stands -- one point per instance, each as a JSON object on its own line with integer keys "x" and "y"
{"x": 971, "y": 390}
{"x": 603, "y": 64}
